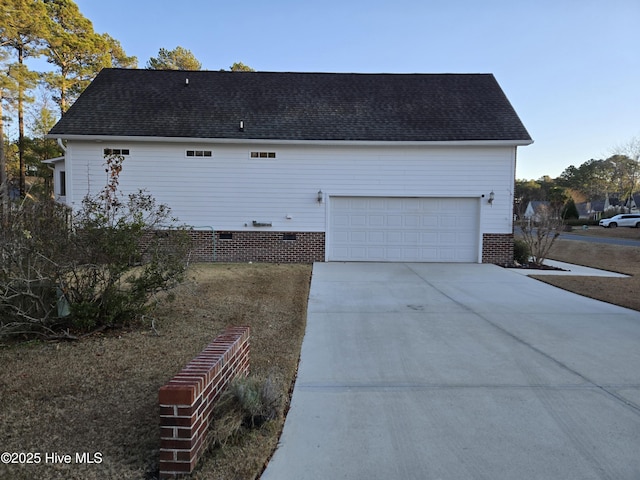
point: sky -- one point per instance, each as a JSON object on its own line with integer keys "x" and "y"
{"x": 571, "y": 68}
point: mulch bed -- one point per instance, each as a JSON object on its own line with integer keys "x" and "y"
{"x": 533, "y": 266}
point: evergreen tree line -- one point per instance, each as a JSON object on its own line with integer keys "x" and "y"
{"x": 55, "y": 31}
{"x": 616, "y": 177}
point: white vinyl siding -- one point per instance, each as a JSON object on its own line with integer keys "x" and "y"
{"x": 233, "y": 190}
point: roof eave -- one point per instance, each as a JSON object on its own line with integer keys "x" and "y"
{"x": 259, "y": 141}
{"x": 53, "y": 160}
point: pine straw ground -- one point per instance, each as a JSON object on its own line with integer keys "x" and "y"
{"x": 100, "y": 394}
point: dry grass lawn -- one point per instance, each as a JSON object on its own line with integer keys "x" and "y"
{"x": 620, "y": 232}
{"x": 622, "y": 259}
{"x": 100, "y": 394}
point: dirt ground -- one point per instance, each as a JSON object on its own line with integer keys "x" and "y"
{"x": 101, "y": 394}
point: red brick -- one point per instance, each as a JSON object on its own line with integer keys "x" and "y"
{"x": 185, "y": 432}
{"x": 167, "y": 455}
{"x": 184, "y": 456}
{"x": 182, "y": 444}
{"x": 177, "y": 394}
{"x": 167, "y": 410}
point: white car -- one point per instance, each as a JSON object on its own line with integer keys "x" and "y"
{"x": 622, "y": 220}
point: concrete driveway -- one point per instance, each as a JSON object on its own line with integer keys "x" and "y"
{"x": 460, "y": 371}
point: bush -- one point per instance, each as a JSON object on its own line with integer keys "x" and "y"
{"x": 570, "y": 211}
{"x": 95, "y": 269}
{"x": 247, "y": 403}
{"x": 579, "y": 222}
{"x": 541, "y": 235}
{"x": 521, "y": 251}
{"x": 259, "y": 398}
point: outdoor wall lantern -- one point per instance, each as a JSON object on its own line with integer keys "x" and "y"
{"x": 491, "y": 197}
{"x": 320, "y": 196}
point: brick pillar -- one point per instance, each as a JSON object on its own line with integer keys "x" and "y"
{"x": 497, "y": 248}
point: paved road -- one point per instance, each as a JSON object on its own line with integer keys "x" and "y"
{"x": 460, "y": 371}
{"x": 610, "y": 241}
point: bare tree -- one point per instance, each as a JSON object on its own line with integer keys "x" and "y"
{"x": 631, "y": 152}
{"x": 541, "y": 231}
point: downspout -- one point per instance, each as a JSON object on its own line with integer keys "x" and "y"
{"x": 64, "y": 152}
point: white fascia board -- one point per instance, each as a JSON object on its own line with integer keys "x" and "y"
{"x": 53, "y": 160}
{"x": 257, "y": 141}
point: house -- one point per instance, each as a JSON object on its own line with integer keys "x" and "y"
{"x": 304, "y": 167}
{"x": 590, "y": 210}
{"x": 535, "y": 209}
{"x": 612, "y": 205}
{"x": 625, "y": 204}
{"x": 632, "y": 203}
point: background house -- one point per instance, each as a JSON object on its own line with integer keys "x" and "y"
{"x": 615, "y": 205}
{"x": 590, "y": 210}
{"x": 307, "y": 166}
{"x": 535, "y": 209}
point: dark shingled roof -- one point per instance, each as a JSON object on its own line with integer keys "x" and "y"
{"x": 293, "y": 106}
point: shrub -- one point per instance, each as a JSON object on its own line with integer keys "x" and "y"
{"x": 247, "y": 403}
{"x": 94, "y": 269}
{"x": 258, "y": 398}
{"x": 541, "y": 234}
{"x": 521, "y": 251}
{"x": 579, "y": 222}
{"x": 570, "y": 211}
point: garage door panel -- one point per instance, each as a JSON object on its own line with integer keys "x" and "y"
{"x": 376, "y": 220}
{"x": 411, "y": 238}
{"x": 395, "y": 221}
{"x": 447, "y": 255}
{"x": 411, "y": 221}
{"x": 394, "y": 237}
{"x": 429, "y": 220}
{"x": 466, "y": 238}
{"x": 376, "y": 204}
{"x": 376, "y": 237}
{"x": 429, "y": 254}
{"x": 358, "y": 237}
{"x": 341, "y": 238}
{"x": 403, "y": 229}
{"x": 340, "y": 220}
{"x": 359, "y": 204}
{"x": 447, "y": 238}
{"x": 429, "y": 238}
{"x": 357, "y": 253}
{"x": 358, "y": 221}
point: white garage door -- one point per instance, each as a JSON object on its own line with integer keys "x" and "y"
{"x": 391, "y": 229}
